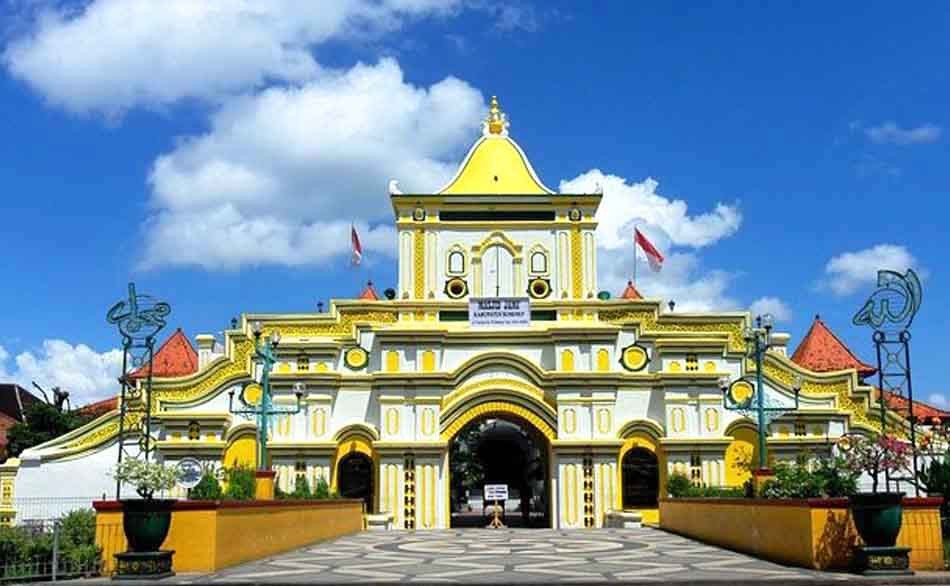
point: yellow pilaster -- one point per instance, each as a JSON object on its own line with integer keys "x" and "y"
{"x": 8, "y": 472}
{"x": 419, "y": 263}
{"x": 577, "y": 264}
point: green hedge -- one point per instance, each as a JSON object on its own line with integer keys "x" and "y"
{"x": 302, "y": 490}
{"x": 679, "y": 486}
{"x": 24, "y": 548}
{"x": 826, "y": 478}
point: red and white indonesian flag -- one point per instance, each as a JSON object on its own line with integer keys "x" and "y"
{"x": 654, "y": 256}
{"x": 357, "y": 247}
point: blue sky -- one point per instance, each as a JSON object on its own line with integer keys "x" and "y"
{"x": 216, "y": 153}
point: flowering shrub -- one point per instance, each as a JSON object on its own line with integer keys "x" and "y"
{"x": 875, "y": 455}
{"x": 804, "y": 479}
{"x": 147, "y": 477}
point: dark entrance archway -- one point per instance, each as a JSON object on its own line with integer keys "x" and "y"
{"x": 355, "y": 478}
{"x": 641, "y": 479}
{"x": 499, "y": 449}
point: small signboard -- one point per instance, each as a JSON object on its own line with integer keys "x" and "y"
{"x": 499, "y": 312}
{"x": 189, "y": 473}
{"x": 496, "y": 492}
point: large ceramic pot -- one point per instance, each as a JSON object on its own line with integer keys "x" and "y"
{"x": 877, "y": 517}
{"x": 146, "y": 523}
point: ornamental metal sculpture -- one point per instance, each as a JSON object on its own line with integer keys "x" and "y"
{"x": 139, "y": 318}
{"x": 739, "y": 395}
{"x": 893, "y": 305}
{"x": 890, "y": 311}
{"x": 257, "y": 398}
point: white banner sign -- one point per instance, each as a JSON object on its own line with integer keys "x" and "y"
{"x": 496, "y": 492}
{"x": 499, "y": 312}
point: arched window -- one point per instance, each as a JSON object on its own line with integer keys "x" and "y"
{"x": 498, "y": 272}
{"x": 641, "y": 479}
{"x": 539, "y": 263}
{"x": 456, "y": 262}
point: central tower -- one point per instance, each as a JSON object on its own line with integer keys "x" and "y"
{"x": 496, "y": 230}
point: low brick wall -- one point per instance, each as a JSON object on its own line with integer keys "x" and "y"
{"x": 210, "y": 535}
{"x": 811, "y": 533}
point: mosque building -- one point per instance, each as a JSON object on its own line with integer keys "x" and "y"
{"x": 596, "y": 399}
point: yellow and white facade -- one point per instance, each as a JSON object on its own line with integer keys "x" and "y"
{"x": 396, "y": 379}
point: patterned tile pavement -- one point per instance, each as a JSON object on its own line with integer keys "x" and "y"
{"x": 511, "y": 556}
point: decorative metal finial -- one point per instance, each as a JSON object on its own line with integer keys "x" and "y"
{"x": 893, "y": 305}
{"x": 139, "y": 316}
{"x": 497, "y": 121}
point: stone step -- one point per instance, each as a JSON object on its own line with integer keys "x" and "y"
{"x": 379, "y": 522}
{"x": 623, "y": 519}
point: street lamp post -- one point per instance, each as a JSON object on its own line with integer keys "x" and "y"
{"x": 262, "y": 407}
{"x": 739, "y": 394}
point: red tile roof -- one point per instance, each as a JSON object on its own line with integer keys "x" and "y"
{"x": 925, "y": 413}
{"x": 821, "y": 351}
{"x": 176, "y": 357}
{"x": 99, "y": 407}
{"x": 369, "y": 293}
{"x": 630, "y": 292}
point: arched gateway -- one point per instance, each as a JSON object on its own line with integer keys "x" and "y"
{"x": 499, "y": 442}
{"x": 580, "y": 403}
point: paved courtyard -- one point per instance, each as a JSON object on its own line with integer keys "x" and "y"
{"x": 512, "y": 555}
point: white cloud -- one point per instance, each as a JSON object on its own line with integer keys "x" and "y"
{"x": 86, "y": 374}
{"x": 667, "y": 223}
{"x": 891, "y": 133}
{"x": 281, "y": 174}
{"x": 112, "y": 55}
{"x": 682, "y": 279}
{"x": 847, "y": 272}
{"x": 778, "y": 308}
{"x": 938, "y": 400}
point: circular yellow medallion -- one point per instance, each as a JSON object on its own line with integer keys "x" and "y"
{"x": 356, "y": 358}
{"x": 539, "y": 288}
{"x": 740, "y": 392}
{"x": 634, "y": 357}
{"x": 456, "y": 288}
{"x": 251, "y": 394}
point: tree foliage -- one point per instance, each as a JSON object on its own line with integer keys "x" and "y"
{"x": 935, "y": 478}
{"x": 43, "y": 423}
{"x": 467, "y": 470}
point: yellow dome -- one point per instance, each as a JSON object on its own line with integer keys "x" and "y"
{"x": 496, "y": 164}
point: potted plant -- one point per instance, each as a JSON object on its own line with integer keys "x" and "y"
{"x": 146, "y": 520}
{"x": 876, "y": 515}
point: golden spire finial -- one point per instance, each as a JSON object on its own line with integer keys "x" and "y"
{"x": 497, "y": 121}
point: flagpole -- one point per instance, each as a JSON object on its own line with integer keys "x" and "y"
{"x": 635, "y": 231}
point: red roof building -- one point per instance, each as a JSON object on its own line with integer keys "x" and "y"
{"x": 99, "y": 408}
{"x": 925, "y": 413}
{"x": 630, "y": 292}
{"x": 822, "y": 351}
{"x": 176, "y": 357}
